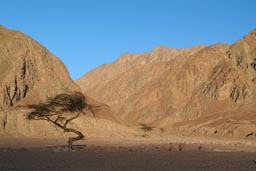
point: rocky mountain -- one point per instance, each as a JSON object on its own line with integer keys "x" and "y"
{"x": 28, "y": 71}
{"x": 128, "y": 61}
{"x": 30, "y": 74}
{"x": 173, "y": 88}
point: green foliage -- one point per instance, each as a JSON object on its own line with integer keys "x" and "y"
{"x": 69, "y": 102}
{"x": 56, "y": 106}
{"x": 146, "y": 128}
{"x": 60, "y": 111}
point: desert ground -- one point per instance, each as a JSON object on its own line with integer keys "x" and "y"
{"x": 131, "y": 154}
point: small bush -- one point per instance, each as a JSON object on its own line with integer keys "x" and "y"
{"x": 146, "y": 128}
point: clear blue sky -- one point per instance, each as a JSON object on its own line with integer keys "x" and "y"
{"x": 88, "y": 33}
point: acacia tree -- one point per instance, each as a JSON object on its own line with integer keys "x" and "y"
{"x": 60, "y": 111}
{"x": 146, "y": 128}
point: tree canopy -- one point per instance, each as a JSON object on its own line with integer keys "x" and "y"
{"x": 60, "y": 111}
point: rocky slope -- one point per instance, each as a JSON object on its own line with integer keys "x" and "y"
{"x": 181, "y": 86}
{"x": 28, "y": 71}
{"x": 30, "y": 74}
{"x": 127, "y": 61}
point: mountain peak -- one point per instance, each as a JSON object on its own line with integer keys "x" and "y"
{"x": 252, "y": 34}
{"x": 29, "y": 72}
{"x": 159, "y": 47}
{"x": 1, "y": 26}
{"x": 250, "y": 38}
{"x": 253, "y": 31}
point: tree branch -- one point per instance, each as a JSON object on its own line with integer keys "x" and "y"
{"x": 70, "y": 119}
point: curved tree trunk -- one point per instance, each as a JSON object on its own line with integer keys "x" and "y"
{"x": 72, "y": 139}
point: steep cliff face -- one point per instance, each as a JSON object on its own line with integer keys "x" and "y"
{"x": 29, "y": 73}
{"x": 207, "y": 82}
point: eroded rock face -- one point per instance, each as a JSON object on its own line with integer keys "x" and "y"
{"x": 175, "y": 87}
{"x": 29, "y": 73}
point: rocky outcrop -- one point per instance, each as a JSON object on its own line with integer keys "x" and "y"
{"x": 231, "y": 81}
{"x": 29, "y": 73}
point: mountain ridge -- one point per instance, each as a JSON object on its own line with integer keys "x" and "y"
{"x": 191, "y": 86}
{"x": 120, "y": 65}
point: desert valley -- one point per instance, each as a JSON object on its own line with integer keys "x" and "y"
{"x": 164, "y": 103}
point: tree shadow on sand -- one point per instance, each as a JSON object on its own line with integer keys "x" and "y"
{"x": 64, "y": 148}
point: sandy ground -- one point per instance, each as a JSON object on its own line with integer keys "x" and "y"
{"x": 188, "y": 143}
{"x": 136, "y": 154}
{"x": 126, "y": 161}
